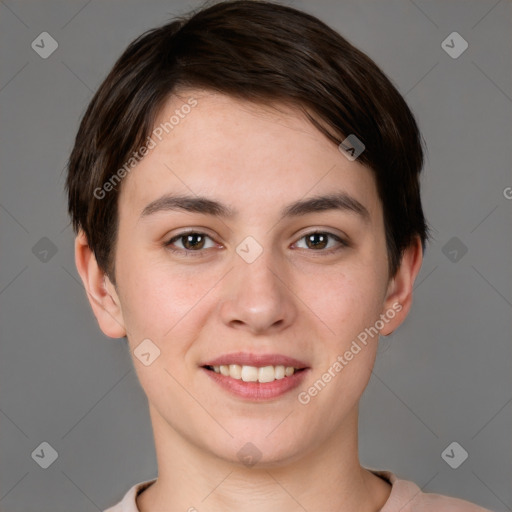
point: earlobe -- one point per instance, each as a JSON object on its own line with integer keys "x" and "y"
{"x": 100, "y": 291}
{"x": 399, "y": 295}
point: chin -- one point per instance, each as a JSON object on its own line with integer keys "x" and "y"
{"x": 256, "y": 447}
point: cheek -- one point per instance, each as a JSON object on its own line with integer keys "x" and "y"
{"x": 158, "y": 301}
{"x": 347, "y": 301}
{"x": 160, "y": 305}
{"x": 351, "y": 308}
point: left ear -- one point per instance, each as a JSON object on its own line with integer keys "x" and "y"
{"x": 399, "y": 294}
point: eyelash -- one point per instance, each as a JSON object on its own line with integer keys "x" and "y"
{"x": 200, "y": 253}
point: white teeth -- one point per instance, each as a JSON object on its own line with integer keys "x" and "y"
{"x": 235, "y": 371}
{"x": 266, "y": 374}
{"x": 279, "y": 372}
{"x": 249, "y": 373}
{"x": 253, "y": 373}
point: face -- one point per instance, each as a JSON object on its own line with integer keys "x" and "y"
{"x": 237, "y": 282}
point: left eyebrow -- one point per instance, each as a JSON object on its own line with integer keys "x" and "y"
{"x": 196, "y": 204}
{"x": 338, "y": 201}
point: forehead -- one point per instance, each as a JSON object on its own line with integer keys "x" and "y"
{"x": 242, "y": 153}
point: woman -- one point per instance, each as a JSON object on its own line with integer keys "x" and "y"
{"x": 245, "y": 191}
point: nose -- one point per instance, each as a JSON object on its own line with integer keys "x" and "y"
{"x": 258, "y": 296}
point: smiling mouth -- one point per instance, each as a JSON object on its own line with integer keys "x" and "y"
{"x": 261, "y": 374}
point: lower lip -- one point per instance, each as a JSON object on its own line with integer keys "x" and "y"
{"x": 257, "y": 391}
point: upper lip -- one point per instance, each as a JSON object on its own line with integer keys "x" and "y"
{"x": 246, "y": 359}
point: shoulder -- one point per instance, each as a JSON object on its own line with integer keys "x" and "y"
{"x": 129, "y": 501}
{"x": 406, "y": 496}
{"x": 434, "y": 502}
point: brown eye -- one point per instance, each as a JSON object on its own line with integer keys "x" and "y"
{"x": 320, "y": 240}
{"x": 193, "y": 241}
{"x": 190, "y": 242}
{"x": 317, "y": 240}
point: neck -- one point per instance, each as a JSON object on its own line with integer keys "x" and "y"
{"x": 192, "y": 479}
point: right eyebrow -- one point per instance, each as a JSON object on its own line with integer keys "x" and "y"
{"x": 193, "y": 204}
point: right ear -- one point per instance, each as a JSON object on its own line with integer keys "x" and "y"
{"x": 101, "y": 292}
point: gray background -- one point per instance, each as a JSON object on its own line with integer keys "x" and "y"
{"x": 444, "y": 376}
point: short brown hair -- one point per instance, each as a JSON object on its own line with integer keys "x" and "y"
{"x": 262, "y": 52}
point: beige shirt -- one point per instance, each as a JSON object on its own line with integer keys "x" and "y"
{"x": 405, "y": 497}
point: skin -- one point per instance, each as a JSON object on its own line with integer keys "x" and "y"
{"x": 294, "y": 299}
